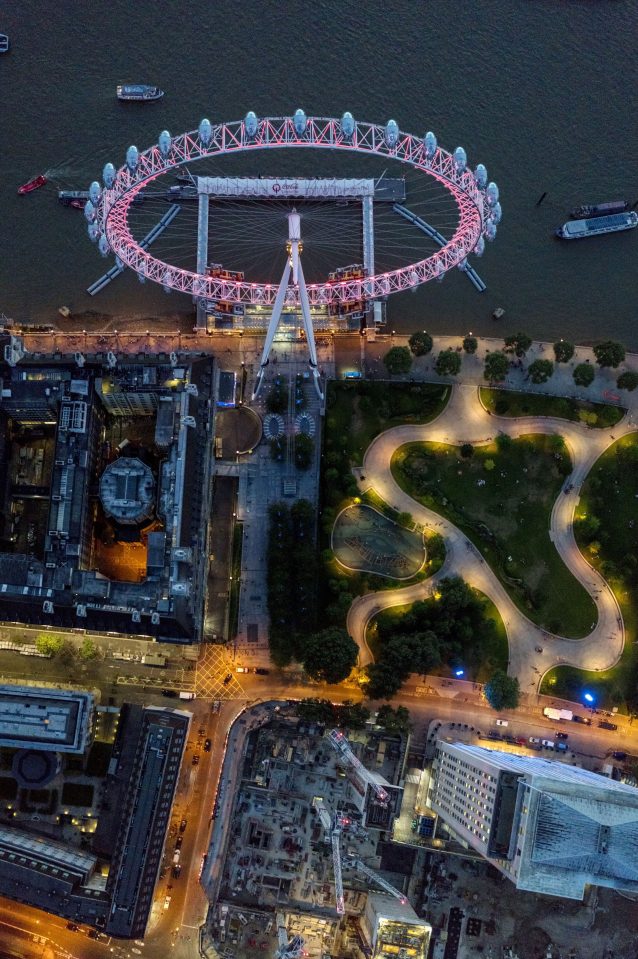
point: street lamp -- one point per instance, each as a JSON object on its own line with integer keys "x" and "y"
{"x": 459, "y": 672}
{"x": 588, "y": 698}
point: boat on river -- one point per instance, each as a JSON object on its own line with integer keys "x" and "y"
{"x": 138, "y": 91}
{"x": 33, "y": 184}
{"x": 597, "y": 225}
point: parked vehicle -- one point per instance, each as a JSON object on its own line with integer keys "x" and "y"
{"x": 585, "y": 721}
{"x": 561, "y": 747}
{"x": 547, "y": 743}
{"x": 561, "y": 735}
{"x": 533, "y": 740}
{"x": 603, "y": 724}
{"x": 619, "y": 755}
{"x": 183, "y": 824}
{"x": 502, "y": 722}
{"x": 207, "y": 745}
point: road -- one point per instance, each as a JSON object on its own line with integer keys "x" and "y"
{"x": 175, "y": 931}
{"x": 465, "y": 420}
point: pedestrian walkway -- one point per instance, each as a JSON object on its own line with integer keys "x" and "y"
{"x": 532, "y": 650}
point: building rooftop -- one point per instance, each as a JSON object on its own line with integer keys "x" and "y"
{"x": 127, "y": 490}
{"x": 47, "y": 718}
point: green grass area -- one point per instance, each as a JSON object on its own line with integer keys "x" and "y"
{"x": 8, "y": 788}
{"x": 605, "y": 526}
{"x": 235, "y": 580}
{"x": 77, "y": 794}
{"x": 513, "y": 403}
{"x": 356, "y": 413}
{"x": 502, "y": 496}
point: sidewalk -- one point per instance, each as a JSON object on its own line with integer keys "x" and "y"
{"x": 561, "y": 383}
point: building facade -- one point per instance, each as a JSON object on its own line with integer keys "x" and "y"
{"x": 549, "y": 827}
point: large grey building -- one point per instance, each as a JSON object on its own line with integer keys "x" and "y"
{"x": 39, "y": 717}
{"x": 72, "y": 505}
{"x": 549, "y": 827}
{"x": 142, "y": 785}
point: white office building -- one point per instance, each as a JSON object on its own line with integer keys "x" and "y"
{"x": 549, "y": 827}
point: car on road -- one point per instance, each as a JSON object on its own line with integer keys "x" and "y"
{"x": 195, "y": 759}
{"x": 73, "y": 926}
{"x": 169, "y": 693}
{"x": 177, "y": 871}
{"x": 242, "y": 669}
{"x": 605, "y": 725}
{"x": 493, "y": 735}
{"x": 534, "y": 740}
{"x": 620, "y": 755}
{"x": 183, "y": 824}
{"x": 261, "y": 671}
{"x": 547, "y": 743}
{"x": 561, "y": 735}
{"x": 178, "y": 842}
{"x": 167, "y": 902}
{"x": 207, "y": 745}
{"x": 521, "y": 741}
{"x": 502, "y": 722}
{"x": 581, "y": 719}
{"x": 227, "y": 679}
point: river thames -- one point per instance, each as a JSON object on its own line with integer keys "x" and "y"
{"x": 540, "y": 91}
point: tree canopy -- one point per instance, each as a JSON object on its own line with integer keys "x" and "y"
{"x": 393, "y": 720}
{"x": 584, "y": 374}
{"x": 329, "y": 656}
{"x": 304, "y": 448}
{"x": 448, "y": 628}
{"x": 292, "y": 574}
{"x": 540, "y": 371}
{"x": 420, "y": 343}
{"x": 627, "y": 381}
{"x": 609, "y": 353}
{"x": 496, "y": 367}
{"x": 519, "y": 343}
{"x": 470, "y": 344}
{"x": 502, "y": 691}
{"x": 448, "y": 363}
{"x": 563, "y": 351}
{"x": 398, "y": 359}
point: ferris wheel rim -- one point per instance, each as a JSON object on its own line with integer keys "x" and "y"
{"x": 229, "y": 138}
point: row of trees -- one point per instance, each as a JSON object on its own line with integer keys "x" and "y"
{"x": 66, "y": 652}
{"x": 610, "y": 354}
{"x": 292, "y": 575}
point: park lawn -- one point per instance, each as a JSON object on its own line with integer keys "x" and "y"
{"x": 609, "y": 498}
{"x": 357, "y": 412}
{"x": 505, "y": 510}
{"x": 514, "y": 403}
{"x": 480, "y": 660}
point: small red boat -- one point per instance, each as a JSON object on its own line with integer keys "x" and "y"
{"x": 33, "y": 184}
{"x": 77, "y": 204}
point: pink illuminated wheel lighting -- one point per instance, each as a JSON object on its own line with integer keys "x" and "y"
{"x": 473, "y": 202}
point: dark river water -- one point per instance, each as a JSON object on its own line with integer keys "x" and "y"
{"x": 541, "y": 91}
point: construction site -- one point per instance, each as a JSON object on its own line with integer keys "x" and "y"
{"x": 309, "y": 843}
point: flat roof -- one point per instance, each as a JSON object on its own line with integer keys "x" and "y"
{"x": 49, "y": 719}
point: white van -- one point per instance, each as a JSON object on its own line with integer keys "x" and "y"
{"x": 547, "y": 743}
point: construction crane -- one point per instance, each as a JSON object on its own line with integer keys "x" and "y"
{"x": 336, "y": 865}
{"x": 324, "y": 815}
{"x": 288, "y": 948}
{"x": 341, "y": 744}
{"x": 373, "y": 877}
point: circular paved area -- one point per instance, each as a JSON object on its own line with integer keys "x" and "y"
{"x": 365, "y": 540}
{"x": 239, "y": 430}
{"x": 465, "y": 420}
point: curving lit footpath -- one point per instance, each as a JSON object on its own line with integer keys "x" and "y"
{"x": 465, "y": 420}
